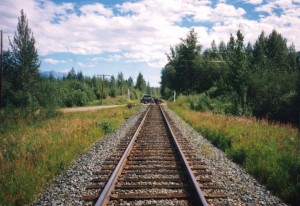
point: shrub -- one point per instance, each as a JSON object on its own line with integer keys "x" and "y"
{"x": 130, "y": 105}
{"x": 107, "y": 127}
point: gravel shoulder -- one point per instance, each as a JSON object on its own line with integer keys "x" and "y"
{"x": 241, "y": 188}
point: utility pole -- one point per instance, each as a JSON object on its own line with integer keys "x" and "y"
{"x": 174, "y": 96}
{"x": 103, "y": 75}
{"x": 1, "y": 69}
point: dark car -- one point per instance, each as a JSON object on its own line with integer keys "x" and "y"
{"x": 146, "y": 99}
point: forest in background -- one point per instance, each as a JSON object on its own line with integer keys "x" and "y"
{"x": 25, "y": 91}
{"x": 235, "y": 78}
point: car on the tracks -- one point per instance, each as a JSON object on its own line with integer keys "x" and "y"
{"x": 146, "y": 99}
{"x": 149, "y": 99}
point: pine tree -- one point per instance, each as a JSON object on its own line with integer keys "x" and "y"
{"x": 292, "y": 58}
{"x": 276, "y": 51}
{"x": 237, "y": 61}
{"x": 130, "y": 82}
{"x": 148, "y": 88}
{"x": 140, "y": 83}
{"x": 121, "y": 83}
{"x": 71, "y": 74}
{"x": 259, "y": 60}
{"x": 222, "y": 50}
{"x": 113, "y": 90}
{"x": 186, "y": 72}
{"x": 25, "y": 56}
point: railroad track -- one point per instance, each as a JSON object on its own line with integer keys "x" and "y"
{"x": 153, "y": 165}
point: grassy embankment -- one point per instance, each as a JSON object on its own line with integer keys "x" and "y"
{"x": 270, "y": 152}
{"x": 32, "y": 153}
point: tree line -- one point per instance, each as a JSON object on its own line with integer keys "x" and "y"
{"x": 23, "y": 87}
{"x": 257, "y": 79}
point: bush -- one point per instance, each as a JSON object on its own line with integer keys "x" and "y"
{"x": 204, "y": 102}
{"x": 107, "y": 127}
{"x": 135, "y": 94}
{"x": 130, "y": 105}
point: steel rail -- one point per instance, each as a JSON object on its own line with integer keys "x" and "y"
{"x": 104, "y": 196}
{"x": 198, "y": 195}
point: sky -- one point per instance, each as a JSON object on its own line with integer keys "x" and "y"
{"x": 131, "y": 36}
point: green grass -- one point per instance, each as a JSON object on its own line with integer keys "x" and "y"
{"x": 118, "y": 100}
{"x": 270, "y": 152}
{"x": 31, "y": 155}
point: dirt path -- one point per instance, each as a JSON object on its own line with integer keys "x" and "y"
{"x": 84, "y": 109}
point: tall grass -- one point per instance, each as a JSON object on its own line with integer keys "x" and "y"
{"x": 268, "y": 151}
{"x": 31, "y": 155}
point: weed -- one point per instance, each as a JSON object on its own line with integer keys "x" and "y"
{"x": 33, "y": 153}
{"x": 267, "y": 151}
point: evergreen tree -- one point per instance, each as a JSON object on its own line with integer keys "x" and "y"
{"x": 259, "y": 60}
{"x": 186, "y": 74}
{"x": 222, "y": 50}
{"x": 237, "y": 61}
{"x": 121, "y": 83}
{"x": 249, "y": 53}
{"x": 149, "y": 88}
{"x": 292, "y": 58}
{"x": 130, "y": 82}
{"x": 140, "y": 83}
{"x": 214, "y": 51}
{"x": 79, "y": 76}
{"x": 9, "y": 67}
{"x": 71, "y": 74}
{"x": 25, "y": 57}
{"x": 180, "y": 73}
{"x": 276, "y": 51}
{"x": 168, "y": 76}
{"x": 113, "y": 90}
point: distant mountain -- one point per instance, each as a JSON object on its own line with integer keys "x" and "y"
{"x": 55, "y": 74}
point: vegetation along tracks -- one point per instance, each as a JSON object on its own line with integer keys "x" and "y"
{"x": 153, "y": 165}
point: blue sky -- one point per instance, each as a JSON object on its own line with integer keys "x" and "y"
{"x": 112, "y": 36}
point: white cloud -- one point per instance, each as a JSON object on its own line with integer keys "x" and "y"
{"x": 85, "y": 65}
{"x": 110, "y": 58}
{"x": 97, "y": 9}
{"x": 225, "y": 12}
{"x": 56, "y": 61}
{"x": 142, "y": 31}
{"x": 253, "y": 1}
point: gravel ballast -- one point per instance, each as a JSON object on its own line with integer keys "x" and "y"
{"x": 241, "y": 187}
{"x": 70, "y": 186}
